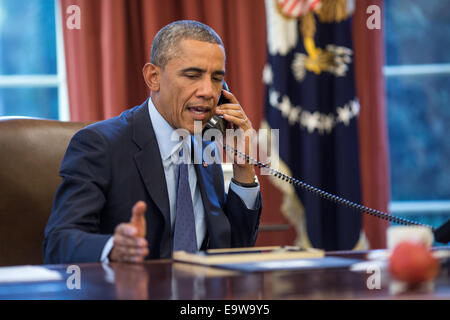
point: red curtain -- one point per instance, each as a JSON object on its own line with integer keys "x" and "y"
{"x": 370, "y": 85}
{"x": 104, "y": 59}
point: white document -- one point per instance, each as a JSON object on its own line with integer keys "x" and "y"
{"x": 27, "y": 274}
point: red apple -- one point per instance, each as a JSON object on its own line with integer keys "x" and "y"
{"x": 412, "y": 262}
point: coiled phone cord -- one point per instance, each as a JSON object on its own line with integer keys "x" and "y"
{"x": 326, "y": 195}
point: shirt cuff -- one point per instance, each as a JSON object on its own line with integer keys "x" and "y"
{"x": 247, "y": 195}
{"x": 107, "y": 249}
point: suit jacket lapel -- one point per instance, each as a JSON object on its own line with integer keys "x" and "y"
{"x": 149, "y": 163}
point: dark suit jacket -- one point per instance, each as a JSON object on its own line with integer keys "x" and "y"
{"x": 112, "y": 164}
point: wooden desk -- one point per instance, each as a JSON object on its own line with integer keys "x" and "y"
{"x": 165, "y": 279}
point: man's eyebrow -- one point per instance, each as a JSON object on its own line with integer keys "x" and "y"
{"x": 194, "y": 69}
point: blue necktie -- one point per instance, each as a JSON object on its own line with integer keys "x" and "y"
{"x": 184, "y": 234}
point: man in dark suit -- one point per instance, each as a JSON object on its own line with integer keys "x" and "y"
{"x": 119, "y": 199}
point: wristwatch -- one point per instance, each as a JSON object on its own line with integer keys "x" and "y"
{"x": 245, "y": 185}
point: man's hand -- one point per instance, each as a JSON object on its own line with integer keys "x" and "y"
{"x": 130, "y": 244}
{"x": 233, "y": 112}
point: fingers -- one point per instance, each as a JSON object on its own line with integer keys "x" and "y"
{"x": 129, "y": 241}
{"x": 126, "y": 229}
{"x": 230, "y": 96}
{"x": 138, "y": 210}
{"x": 138, "y": 218}
{"x": 233, "y": 112}
{"x": 129, "y": 253}
{"x": 237, "y": 119}
{"x": 128, "y": 247}
{"x": 130, "y": 244}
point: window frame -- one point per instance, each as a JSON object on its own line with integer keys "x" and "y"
{"x": 58, "y": 80}
{"x": 418, "y": 208}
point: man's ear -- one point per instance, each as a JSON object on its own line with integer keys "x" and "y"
{"x": 152, "y": 75}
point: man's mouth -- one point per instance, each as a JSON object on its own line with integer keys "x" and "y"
{"x": 199, "y": 112}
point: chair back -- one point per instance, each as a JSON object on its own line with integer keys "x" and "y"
{"x": 31, "y": 151}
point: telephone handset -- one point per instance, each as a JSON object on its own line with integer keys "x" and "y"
{"x": 218, "y": 122}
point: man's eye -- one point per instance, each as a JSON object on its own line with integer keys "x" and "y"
{"x": 218, "y": 79}
{"x": 192, "y": 76}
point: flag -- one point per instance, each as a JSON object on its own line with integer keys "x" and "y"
{"x": 311, "y": 99}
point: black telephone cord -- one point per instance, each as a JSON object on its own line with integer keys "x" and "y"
{"x": 326, "y": 195}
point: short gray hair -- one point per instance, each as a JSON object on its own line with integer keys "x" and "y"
{"x": 165, "y": 43}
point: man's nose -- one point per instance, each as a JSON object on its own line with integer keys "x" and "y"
{"x": 206, "y": 89}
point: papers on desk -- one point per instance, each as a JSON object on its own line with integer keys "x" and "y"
{"x": 27, "y": 274}
{"x": 300, "y": 264}
{"x": 215, "y": 257}
{"x": 264, "y": 259}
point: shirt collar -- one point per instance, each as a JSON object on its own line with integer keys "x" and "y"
{"x": 167, "y": 137}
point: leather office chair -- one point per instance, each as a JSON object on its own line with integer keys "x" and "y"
{"x": 31, "y": 151}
